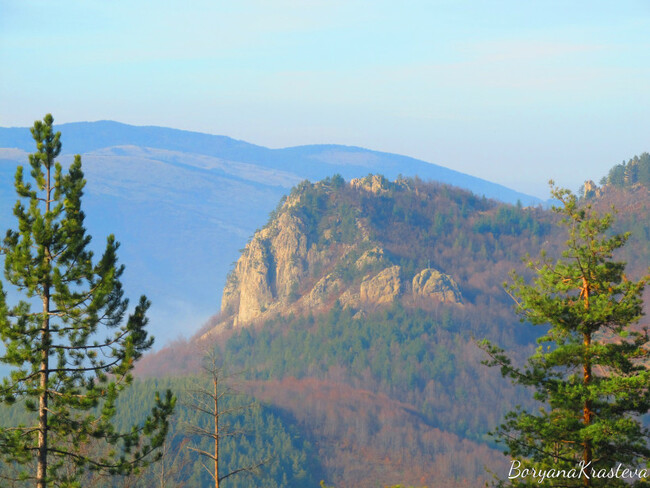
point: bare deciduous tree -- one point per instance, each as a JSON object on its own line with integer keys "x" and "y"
{"x": 209, "y": 401}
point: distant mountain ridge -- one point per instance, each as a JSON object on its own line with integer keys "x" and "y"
{"x": 312, "y": 162}
{"x": 183, "y": 203}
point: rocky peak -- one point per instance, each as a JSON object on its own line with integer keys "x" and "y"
{"x": 316, "y": 250}
{"x": 265, "y": 274}
{"x": 590, "y": 189}
{"x": 376, "y": 184}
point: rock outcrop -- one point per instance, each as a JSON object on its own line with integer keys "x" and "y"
{"x": 432, "y": 284}
{"x": 288, "y": 252}
{"x": 268, "y": 271}
{"x": 299, "y": 262}
{"x": 348, "y": 299}
{"x": 376, "y": 184}
{"x": 591, "y": 190}
{"x": 371, "y": 257}
{"x": 325, "y": 288}
{"x": 255, "y": 294}
{"x": 381, "y": 288}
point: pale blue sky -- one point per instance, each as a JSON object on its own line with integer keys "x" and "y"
{"x": 516, "y": 92}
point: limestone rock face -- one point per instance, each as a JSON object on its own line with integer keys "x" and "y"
{"x": 268, "y": 270}
{"x": 289, "y": 250}
{"x": 383, "y": 287}
{"x": 255, "y": 294}
{"x": 349, "y": 299}
{"x": 231, "y": 294}
{"x": 376, "y": 184}
{"x": 431, "y": 283}
{"x": 324, "y": 288}
{"x": 370, "y": 258}
{"x": 592, "y": 190}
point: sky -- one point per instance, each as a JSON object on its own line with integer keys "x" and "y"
{"x": 516, "y": 92}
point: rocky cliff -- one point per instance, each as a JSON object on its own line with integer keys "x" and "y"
{"x": 318, "y": 248}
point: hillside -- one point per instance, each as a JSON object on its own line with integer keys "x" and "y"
{"x": 353, "y": 315}
{"x": 182, "y": 203}
{"x": 355, "y": 310}
{"x": 631, "y": 204}
{"x": 374, "y": 242}
{"x": 378, "y": 286}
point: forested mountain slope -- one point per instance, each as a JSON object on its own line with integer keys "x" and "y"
{"x": 353, "y": 315}
{"x": 183, "y": 203}
{"x": 356, "y": 308}
{"x": 378, "y": 286}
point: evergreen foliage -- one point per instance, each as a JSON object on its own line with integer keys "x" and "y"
{"x": 590, "y": 372}
{"x": 425, "y": 358}
{"x": 267, "y": 434}
{"x": 627, "y": 174}
{"x": 68, "y": 342}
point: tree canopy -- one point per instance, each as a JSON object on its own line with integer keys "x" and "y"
{"x": 590, "y": 372}
{"x": 69, "y": 342}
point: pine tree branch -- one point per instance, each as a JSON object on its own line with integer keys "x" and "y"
{"x": 106, "y": 344}
{"x": 102, "y": 367}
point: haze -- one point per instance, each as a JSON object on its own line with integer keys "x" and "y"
{"x": 514, "y": 92}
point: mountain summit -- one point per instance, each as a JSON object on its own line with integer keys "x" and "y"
{"x": 323, "y": 246}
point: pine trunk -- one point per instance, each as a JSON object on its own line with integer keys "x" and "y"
{"x": 586, "y": 371}
{"x": 587, "y": 411}
{"x": 41, "y": 472}
{"x": 41, "y": 475}
{"x": 216, "y": 433}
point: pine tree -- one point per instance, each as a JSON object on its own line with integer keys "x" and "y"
{"x": 590, "y": 371}
{"x": 69, "y": 342}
